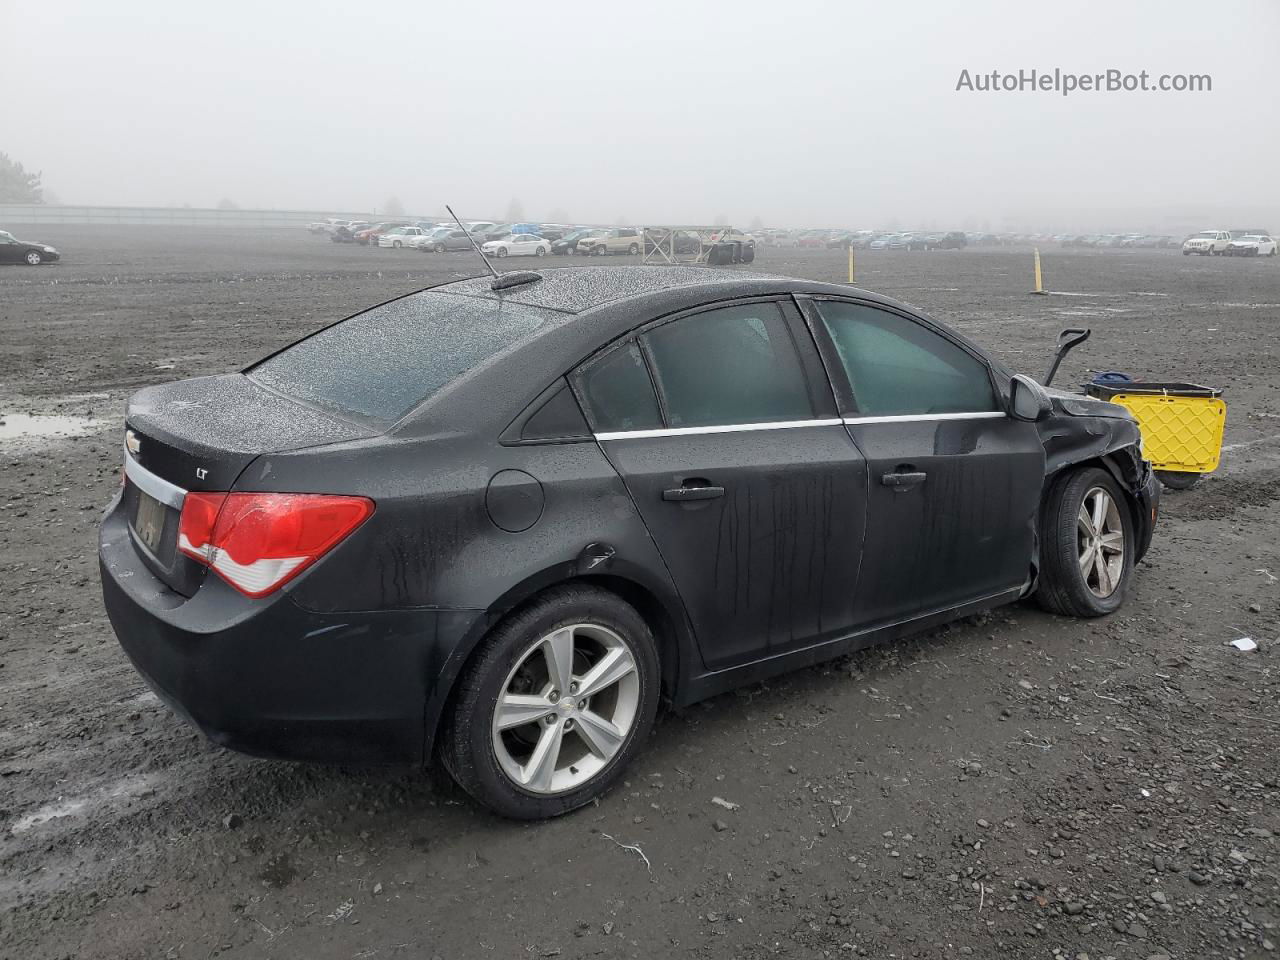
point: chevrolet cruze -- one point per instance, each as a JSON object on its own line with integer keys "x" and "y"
{"x": 497, "y": 521}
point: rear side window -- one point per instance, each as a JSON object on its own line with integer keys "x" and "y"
{"x": 898, "y": 367}
{"x": 730, "y": 365}
{"x": 380, "y": 364}
{"x": 617, "y": 391}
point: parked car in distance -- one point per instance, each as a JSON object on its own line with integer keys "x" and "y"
{"x": 1206, "y": 243}
{"x": 398, "y": 237}
{"x": 346, "y": 233}
{"x": 730, "y": 246}
{"x": 30, "y": 252}
{"x": 568, "y": 244}
{"x": 370, "y": 235}
{"x": 953, "y": 240}
{"x": 283, "y": 571}
{"x": 518, "y": 245}
{"x": 443, "y": 239}
{"x": 1252, "y": 245}
{"x": 612, "y": 240}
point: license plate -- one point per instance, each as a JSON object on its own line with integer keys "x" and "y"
{"x": 148, "y": 521}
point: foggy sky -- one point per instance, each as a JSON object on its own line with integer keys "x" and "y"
{"x": 800, "y": 113}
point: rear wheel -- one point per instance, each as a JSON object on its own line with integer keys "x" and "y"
{"x": 554, "y": 704}
{"x": 33, "y": 258}
{"x": 439, "y": 248}
{"x": 502, "y": 251}
{"x": 633, "y": 249}
{"x": 1086, "y": 545}
{"x": 599, "y": 251}
{"x": 541, "y": 251}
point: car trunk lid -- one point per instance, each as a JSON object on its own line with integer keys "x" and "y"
{"x": 199, "y": 435}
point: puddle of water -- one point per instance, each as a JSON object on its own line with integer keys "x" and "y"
{"x": 127, "y": 788}
{"x": 23, "y": 426}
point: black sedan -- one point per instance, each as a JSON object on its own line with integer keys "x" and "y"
{"x": 13, "y": 250}
{"x": 497, "y": 521}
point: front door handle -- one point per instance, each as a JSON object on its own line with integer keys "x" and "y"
{"x": 693, "y": 490}
{"x": 901, "y": 480}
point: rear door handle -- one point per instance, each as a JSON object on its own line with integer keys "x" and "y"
{"x": 904, "y": 479}
{"x": 693, "y": 490}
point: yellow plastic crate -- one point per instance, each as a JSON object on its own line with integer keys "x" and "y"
{"x": 1181, "y": 434}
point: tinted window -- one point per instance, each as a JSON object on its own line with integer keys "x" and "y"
{"x": 732, "y": 365}
{"x": 618, "y": 392}
{"x": 899, "y": 367}
{"x": 382, "y": 363}
{"x": 558, "y": 418}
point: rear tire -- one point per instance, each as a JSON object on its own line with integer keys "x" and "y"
{"x": 1073, "y": 581}
{"x": 633, "y": 250}
{"x": 515, "y": 660}
{"x": 33, "y": 258}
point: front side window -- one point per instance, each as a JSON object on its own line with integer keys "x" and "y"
{"x": 617, "y": 391}
{"x": 730, "y": 365}
{"x": 898, "y": 367}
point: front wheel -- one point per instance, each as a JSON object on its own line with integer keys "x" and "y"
{"x": 1177, "y": 479}
{"x": 1086, "y": 545}
{"x": 554, "y": 704}
{"x": 502, "y": 251}
{"x": 633, "y": 250}
{"x": 33, "y": 258}
{"x": 598, "y": 251}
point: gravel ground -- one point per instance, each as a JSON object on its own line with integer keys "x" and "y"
{"x": 1014, "y": 785}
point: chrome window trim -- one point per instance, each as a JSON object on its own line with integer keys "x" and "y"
{"x": 916, "y": 417}
{"x": 169, "y": 494}
{"x": 793, "y": 424}
{"x": 719, "y": 428}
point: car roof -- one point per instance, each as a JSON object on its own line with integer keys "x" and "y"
{"x": 586, "y": 309}
{"x": 582, "y": 289}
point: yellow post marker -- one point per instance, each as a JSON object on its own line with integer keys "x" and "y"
{"x": 851, "y": 263}
{"x": 1039, "y": 279}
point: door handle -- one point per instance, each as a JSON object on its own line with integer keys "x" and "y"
{"x": 904, "y": 479}
{"x": 693, "y": 490}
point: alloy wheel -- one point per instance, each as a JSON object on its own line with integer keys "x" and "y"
{"x": 566, "y": 708}
{"x": 1100, "y": 540}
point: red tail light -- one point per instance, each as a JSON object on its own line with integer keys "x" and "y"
{"x": 258, "y": 542}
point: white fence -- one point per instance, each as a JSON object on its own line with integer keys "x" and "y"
{"x": 47, "y": 213}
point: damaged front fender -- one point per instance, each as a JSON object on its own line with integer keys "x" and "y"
{"x": 1083, "y": 430}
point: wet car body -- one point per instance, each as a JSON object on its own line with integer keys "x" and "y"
{"x": 750, "y": 550}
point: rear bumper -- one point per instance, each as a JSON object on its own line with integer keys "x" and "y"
{"x": 268, "y": 678}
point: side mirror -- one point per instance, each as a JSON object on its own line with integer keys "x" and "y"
{"x": 1028, "y": 400}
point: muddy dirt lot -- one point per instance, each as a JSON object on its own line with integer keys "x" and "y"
{"x": 1016, "y": 785}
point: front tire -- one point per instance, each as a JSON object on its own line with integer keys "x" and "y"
{"x": 541, "y": 252}
{"x": 1087, "y": 543}
{"x": 502, "y": 251}
{"x": 554, "y": 704}
{"x": 633, "y": 249}
{"x": 33, "y": 258}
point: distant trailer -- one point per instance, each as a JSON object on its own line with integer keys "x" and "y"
{"x": 709, "y": 246}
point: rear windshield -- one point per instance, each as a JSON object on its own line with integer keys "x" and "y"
{"x": 380, "y": 364}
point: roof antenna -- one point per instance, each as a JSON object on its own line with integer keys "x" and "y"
{"x": 472, "y": 239}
